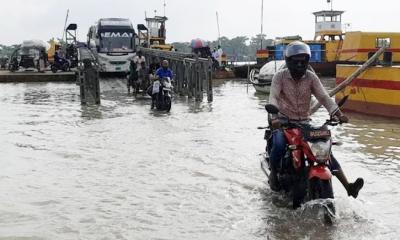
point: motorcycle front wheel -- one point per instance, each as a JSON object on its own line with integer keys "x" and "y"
{"x": 167, "y": 103}
{"x": 322, "y": 189}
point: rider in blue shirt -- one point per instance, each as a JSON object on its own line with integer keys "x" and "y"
{"x": 162, "y": 72}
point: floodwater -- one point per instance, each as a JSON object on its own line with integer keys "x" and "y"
{"x": 122, "y": 171}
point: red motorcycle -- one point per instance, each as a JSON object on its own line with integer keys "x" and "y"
{"x": 304, "y": 172}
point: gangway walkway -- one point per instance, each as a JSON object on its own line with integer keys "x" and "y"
{"x": 193, "y": 75}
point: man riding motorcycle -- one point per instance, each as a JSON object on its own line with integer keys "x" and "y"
{"x": 162, "y": 72}
{"x": 291, "y": 91}
{"x": 60, "y": 63}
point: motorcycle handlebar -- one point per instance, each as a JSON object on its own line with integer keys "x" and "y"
{"x": 333, "y": 121}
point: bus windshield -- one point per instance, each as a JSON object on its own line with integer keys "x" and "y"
{"x": 116, "y": 42}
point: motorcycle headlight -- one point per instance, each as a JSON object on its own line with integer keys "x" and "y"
{"x": 321, "y": 150}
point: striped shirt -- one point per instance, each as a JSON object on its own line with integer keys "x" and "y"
{"x": 293, "y": 98}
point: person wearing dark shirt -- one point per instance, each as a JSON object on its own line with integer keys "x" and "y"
{"x": 132, "y": 77}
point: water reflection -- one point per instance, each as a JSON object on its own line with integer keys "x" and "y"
{"x": 91, "y": 112}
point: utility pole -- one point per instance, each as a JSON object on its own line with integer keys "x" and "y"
{"x": 164, "y": 7}
{"x": 331, "y": 2}
{"x": 262, "y": 19}
{"x": 65, "y": 25}
{"x": 219, "y": 36}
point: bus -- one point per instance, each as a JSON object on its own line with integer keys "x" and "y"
{"x": 112, "y": 41}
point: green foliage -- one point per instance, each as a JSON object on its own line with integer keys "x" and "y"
{"x": 239, "y": 48}
{"x": 182, "y": 47}
{"x": 7, "y": 50}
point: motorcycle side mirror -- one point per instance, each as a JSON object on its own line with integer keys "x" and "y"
{"x": 271, "y": 109}
{"x": 342, "y": 101}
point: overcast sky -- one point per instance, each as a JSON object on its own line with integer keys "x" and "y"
{"x": 188, "y": 19}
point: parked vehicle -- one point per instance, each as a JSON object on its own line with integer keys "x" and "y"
{"x": 27, "y": 55}
{"x": 112, "y": 42}
{"x": 3, "y": 62}
{"x": 304, "y": 171}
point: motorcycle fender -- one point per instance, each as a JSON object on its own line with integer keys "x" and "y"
{"x": 321, "y": 172}
{"x": 296, "y": 158}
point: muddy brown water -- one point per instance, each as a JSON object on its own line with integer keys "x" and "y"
{"x": 122, "y": 171}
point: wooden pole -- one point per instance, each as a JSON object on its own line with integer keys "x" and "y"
{"x": 190, "y": 80}
{"x": 205, "y": 81}
{"x": 210, "y": 86}
{"x": 202, "y": 76}
{"x": 183, "y": 78}
{"x": 248, "y": 78}
{"x": 199, "y": 74}
{"x": 90, "y": 86}
{"x": 81, "y": 77}
{"x": 177, "y": 77}
{"x": 349, "y": 79}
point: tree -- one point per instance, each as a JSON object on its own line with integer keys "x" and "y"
{"x": 182, "y": 47}
{"x": 237, "y": 49}
{"x": 7, "y": 50}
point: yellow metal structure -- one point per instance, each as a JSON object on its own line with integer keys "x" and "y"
{"x": 54, "y": 46}
{"x": 357, "y": 45}
{"x": 332, "y": 50}
{"x": 164, "y": 47}
{"x": 376, "y": 91}
{"x": 156, "y": 34}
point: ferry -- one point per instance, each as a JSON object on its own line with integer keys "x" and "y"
{"x": 377, "y": 90}
{"x": 325, "y": 47}
{"x": 153, "y": 34}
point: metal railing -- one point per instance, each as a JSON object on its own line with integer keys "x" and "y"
{"x": 193, "y": 75}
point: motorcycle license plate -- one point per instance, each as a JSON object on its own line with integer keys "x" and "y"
{"x": 318, "y": 134}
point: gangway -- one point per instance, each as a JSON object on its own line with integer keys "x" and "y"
{"x": 193, "y": 75}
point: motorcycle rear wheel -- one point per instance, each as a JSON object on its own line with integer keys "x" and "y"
{"x": 53, "y": 68}
{"x": 65, "y": 67}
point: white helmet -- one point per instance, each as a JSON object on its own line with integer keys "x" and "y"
{"x": 297, "y": 47}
